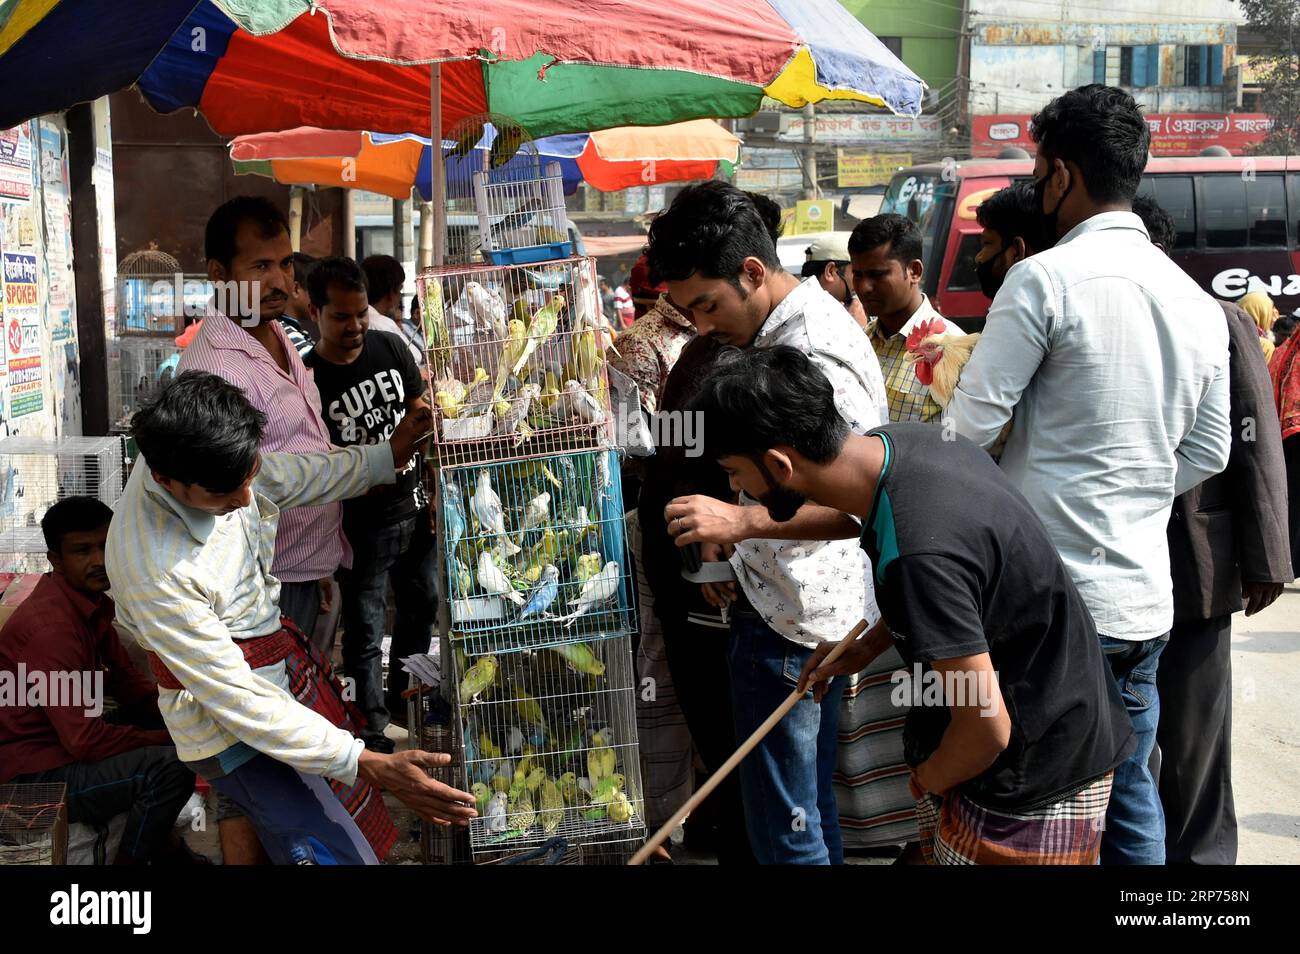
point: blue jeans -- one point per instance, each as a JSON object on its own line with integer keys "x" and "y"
{"x": 298, "y": 818}
{"x": 786, "y": 781}
{"x": 1135, "y": 821}
{"x": 405, "y": 554}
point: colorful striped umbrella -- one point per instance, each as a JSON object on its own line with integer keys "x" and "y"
{"x": 553, "y": 66}
{"x": 608, "y": 160}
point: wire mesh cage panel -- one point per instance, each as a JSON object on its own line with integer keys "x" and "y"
{"x": 432, "y": 729}
{"x": 550, "y": 745}
{"x": 139, "y": 367}
{"x": 536, "y": 552}
{"x": 33, "y": 824}
{"x": 520, "y": 207}
{"x": 517, "y": 360}
{"x": 37, "y": 473}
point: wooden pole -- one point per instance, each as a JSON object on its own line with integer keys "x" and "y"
{"x": 739, "y": 755}
{"x": 438, "y": 171}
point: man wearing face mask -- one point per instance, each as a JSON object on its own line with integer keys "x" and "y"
{"x": 1116, "y": 366}
{"x": 1013, "y": 230}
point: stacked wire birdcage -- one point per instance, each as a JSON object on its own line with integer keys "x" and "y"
{"x": 33, "y": 824}
{"x": 36, "y": 473}
{"x": 541, "y": 603}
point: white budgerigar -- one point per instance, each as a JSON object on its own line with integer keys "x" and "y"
{"x": 582, "y": 406}
{"x": 596, "y": 592}
{"x": 496, "y": 813}
{"x": 494, "y": 581}
{"x": 487, "y": 510}
{"x": 536, "y": 511}
{"x": 488, "y": 309}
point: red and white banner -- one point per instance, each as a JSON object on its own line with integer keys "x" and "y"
{"x": 1172, "y": 134}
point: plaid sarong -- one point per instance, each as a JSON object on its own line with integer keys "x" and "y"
{"x": 956, "y": 831}
{"x": 313, "y": 683}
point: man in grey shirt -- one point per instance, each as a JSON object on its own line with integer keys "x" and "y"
{"x": 1116, "y": 366}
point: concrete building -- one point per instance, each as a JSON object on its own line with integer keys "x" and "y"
{"x": 924, "y": 34}
{"x": 1171, "y": 55}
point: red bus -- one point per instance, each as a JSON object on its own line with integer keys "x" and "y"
{"x": 1238, "y": 223}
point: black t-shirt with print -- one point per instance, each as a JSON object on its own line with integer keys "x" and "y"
{"x": 362, "y": 403}
{"x": 964, "y": 566}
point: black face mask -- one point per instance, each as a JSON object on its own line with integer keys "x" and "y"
{"x": 989, "y": 282}
{"x": 1049, "y": 218}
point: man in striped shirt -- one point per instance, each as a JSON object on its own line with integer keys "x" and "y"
{"x": 250, "y": 706}
{"x": 242, "y": 340}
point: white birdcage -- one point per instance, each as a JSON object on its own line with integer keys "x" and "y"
{"x": 496, "y": 177}
{"x": 550, "y": 745}
{"x": 153, "y": 298}
{"x": 37, "y": 473}
{"x": 517, "y": 360}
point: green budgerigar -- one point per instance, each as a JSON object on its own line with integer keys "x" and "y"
{"x": 528, "y": 707}
{"x": 481, "y": 795}
{"x": 580, "y": 658}
{"x": 551, "y": 807}
{"x": 540, "y": 328}
{"x": 480, "y": 677}
{"x": 569, "y": 788}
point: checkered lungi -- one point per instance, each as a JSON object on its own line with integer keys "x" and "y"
{"x": 956, "y": 831}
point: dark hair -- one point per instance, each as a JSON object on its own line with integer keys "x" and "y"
{"x": 200, "y": 430}
{"x": 897, "y": 231}
{"x": 384, "y": 275}
{"x": 302, "y": 266}
{"x": 1159, "y": 223}
{"x": 768, "y": 397}
{"x": 1014, "y": 212}
{"x": 770, "y": 212}
{"x": 711, "y": 228}
{"x": 1286, "y": 323}
{"x": 219, "y": 236}
{"x": 1101, "y": 129}
{"x": 73, "y": 515}
{"x": 811, "y": 269}
{"x": 336, "y": 272}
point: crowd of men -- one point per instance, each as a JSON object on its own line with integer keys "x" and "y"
{"x": 1072, "y": 599}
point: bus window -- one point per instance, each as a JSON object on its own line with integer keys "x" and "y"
{"x": 926, "y": 200}
{"x": 963, "y": 277}
{"x": 1224, "y": 211}
{"x": 1175, "y": 195}
{"x": 1266, "y": 201}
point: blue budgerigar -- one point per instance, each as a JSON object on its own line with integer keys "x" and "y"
{"x": 543, "y": 594}
{"x": 454, "y": 516}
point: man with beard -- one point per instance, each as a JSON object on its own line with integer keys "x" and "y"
{"x": 796, "y": 590}
{"x": 242, "y": 340}
{"x": 1012, "y": 755}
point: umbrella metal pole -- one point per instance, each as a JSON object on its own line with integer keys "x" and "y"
{"x": 437, "y": 172}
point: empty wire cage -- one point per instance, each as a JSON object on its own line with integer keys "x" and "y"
{"x": 550, "y": 745}
{"x": 536, "y": 552}
{"x": 37, "y": 473}
{"x": 517, "y": 360}
{"x": 33, "y": 824}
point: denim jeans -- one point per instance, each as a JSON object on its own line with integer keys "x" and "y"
{"x": 789, "y": 802}
{"x": 1135, "y": 820}
{"x": 404, "y": 554}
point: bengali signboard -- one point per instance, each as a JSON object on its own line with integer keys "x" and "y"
{"x": 850, "y": 128}
{"x": 16, "y": 163}
{"x": 857, "y": 169}
{"x": 1172, "y": 134}
{"x": 22, "y": 330}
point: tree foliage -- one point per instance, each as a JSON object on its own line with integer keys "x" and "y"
{"x": 1278, "y": 69}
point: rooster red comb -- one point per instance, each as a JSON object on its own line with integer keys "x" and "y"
{"x": 923, "y": 330}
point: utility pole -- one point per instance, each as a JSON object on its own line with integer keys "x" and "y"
{"x": 811, "y": 189}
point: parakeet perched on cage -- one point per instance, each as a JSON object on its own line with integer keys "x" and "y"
{"x": 521, "y": 812}
{"x": 620, "y": 809}
{"x": 588, "y": 567}
{"x": 496, "y": 813}
{"x": 540, "y": 328}
{"x": 487, "y": 310}
{"x": 541, "y": 596}
{"x": 580, "y": 405}
{"x": 494, "y": 582}
{"x": 482, "y": 795}
{"x": 487, "y": 510}
{"x": 537, "y": 511}
{"x": 550, "y": 807}
{"x": 569, "y": 788}
{"x": 515, "y": 418}
{"x": 478, "y": 679}
{"x": 596, "y": 592}
{"x": 601, "y": 760}
{"x": 453, "y": 516}
{"x": 528, "y": 708}
{"x": 436, "y": 339}
{"x": 580, "y": 658}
